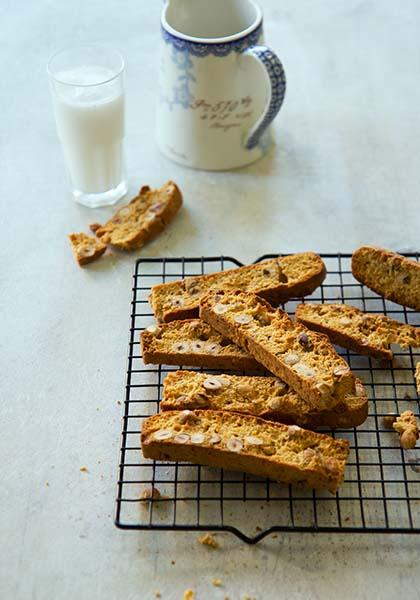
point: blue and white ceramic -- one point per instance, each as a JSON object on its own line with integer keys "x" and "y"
{"x": 220, "y": 86}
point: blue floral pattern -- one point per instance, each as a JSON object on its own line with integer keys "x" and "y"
{"x": 278, "y": 89}
{"x": 181, "y": 93}
{"x": 217, "y": 49}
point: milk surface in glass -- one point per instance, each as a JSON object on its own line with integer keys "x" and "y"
{"x": 89, "y": 112}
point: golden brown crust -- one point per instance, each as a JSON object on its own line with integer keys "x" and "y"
{"x": 265, "y": 397}
{"x": 245, "y": 443}
{"x": 305, "y": 360}
{"x": 85, "y": 248}
{"x": 277, "y": 280}
{"x": 389, "y": 274}
{"x": 349, "y": 327}
{"x": 142, "y": 219}
{"x": 194, "y": 343}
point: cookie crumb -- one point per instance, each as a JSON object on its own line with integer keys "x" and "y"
{"x": 217, "y": 582}
{"x": 246, "y": 597}
{"x": 172, "y": 562}
{"x": 258, "y": 528}
{"x": 189, "y": 595}
{"x": 84, "y": 470}
{"x": 151, "y": 493}
{"x": 208, "y": 540}
{"x": 47, "y": 483}
{"x": 158, "y": 595}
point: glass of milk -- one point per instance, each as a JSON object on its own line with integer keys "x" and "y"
{"x": 88, "y": 96}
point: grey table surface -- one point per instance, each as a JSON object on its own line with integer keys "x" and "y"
{"x": 344, "y": 171}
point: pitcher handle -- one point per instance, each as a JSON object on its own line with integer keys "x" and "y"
{"x": 276, "y": 85}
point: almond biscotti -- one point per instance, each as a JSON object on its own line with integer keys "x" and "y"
{"x": 85, "y": 248}
{"x": 361, "y": 332}
{"x": 277, "y": 280}
{"x": 194, "y": 343}
{"x": 265, "y": 397}
{"x": 142, "y": 219}
{"x": 302, "y": 358}
{"x": 243, "y": 443}
{"x": 389, "y": 274}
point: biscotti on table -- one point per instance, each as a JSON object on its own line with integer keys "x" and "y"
{"x": 389, "y": 274}
{"x": 277, "y": 280}
{"x": 245, "y": 443}
{"x": 194, "y": 343}
{"x": 85, "y": 248}
{"x": 265, "y": 397}
{"x": 142, "y": 219}
{"x": 302, "y": 358}
{"x": 361, "y": 332}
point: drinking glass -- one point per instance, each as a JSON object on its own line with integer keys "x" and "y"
{"x": 87, "y": 88}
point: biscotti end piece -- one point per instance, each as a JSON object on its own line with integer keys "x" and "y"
{"x": 142, "y": 219}
{"x": 86, "y": 248}
{"x": 389, "y": 274}
{"x": 349, "y": 327}
{"x": 244, "y": 443}
{"x": 305, "y": 360}
{"x": 407, "y": 428}
{"x": 265, "y": 397}
{"x": 276, "y": 280}
{"x": 194, "y": 343}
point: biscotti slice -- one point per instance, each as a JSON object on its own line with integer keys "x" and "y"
{"x": 142, "y": 219}
{"x": 389, "y": 274}
{"x": 276, "y": 280}
{"x": 361, "y": 332}
{"x": 86, "y": 248}
{"x": 265, "y": 397}
{"x": 194, "y": 343}
{"x": 305, "y": 360}
{"x": 244, "y": 443}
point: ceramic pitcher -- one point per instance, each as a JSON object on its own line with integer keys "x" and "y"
{"x": 220, "y": 86}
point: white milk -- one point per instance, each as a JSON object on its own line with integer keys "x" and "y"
{"x": 90, "y": 124}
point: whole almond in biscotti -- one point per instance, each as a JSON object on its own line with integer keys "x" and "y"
{"x": 142, "y": 219}
{"x": 265, "y": 397}
{"x": 245, "y": 443}
{"x": 86, "y": 248}
{"x": 365, "y": 333}
{"x": 389, "y": 274}
{"x": 302, "y": 358}
{"x": 277, "y": 280}
{"x": 194, "y": 343}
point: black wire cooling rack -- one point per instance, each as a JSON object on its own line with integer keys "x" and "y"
{"x": 381, "y": 490}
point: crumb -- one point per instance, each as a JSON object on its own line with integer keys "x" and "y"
{"x": 84, "y": 469}
{"x": 151, "y": 493}
{"x": 274, "y": 536}
{"x": 261, "y": 507}
{"x": 172, "y": 562}
{"x": 47, "y": 483}
{"x": 258, "y": 528}
{"x": 189, "y": 595}
{"x": 347, "y": 519}
{"x": 158, "y": 595}
{"x": 217, "y": 582}
{"x": 208, "y": 540}
{"x": 246, "y": 597}
{"x": 119, "y": 402}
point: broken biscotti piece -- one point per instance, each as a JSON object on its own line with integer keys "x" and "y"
{"x": 305, "y": 360}
{"x": 265, "y": 397}
{"x": 277, "y": 280}
{"x": 142, "y": 219}
{"x": 406, "y": 426}
{"x": 244, "y": 443}
{"x": 194, "y": 343}
{"x": 86, "y": 248}
{"x": 351, "y": 328}
{"x": 389, "y": 274}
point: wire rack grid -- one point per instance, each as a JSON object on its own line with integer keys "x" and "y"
{"x": 381, "y": 489}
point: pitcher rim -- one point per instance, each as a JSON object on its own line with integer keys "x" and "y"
{"x": 218, "y": 40}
